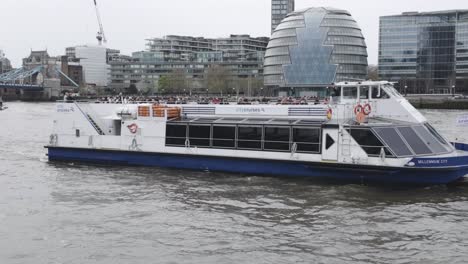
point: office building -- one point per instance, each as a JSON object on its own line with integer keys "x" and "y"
{"x": 279, "y": 10}
{"x": 313, "y": 48}
{"x": 192, "y": 63}
{"x": 425, "y": 52}
{"x": 94, "y": 60}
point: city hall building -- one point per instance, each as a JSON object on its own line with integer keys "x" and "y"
{"x": 425, "y": 52}
{"x": 313, "y": 48}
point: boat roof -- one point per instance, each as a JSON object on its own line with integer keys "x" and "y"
{"x": 249, "y": 121}
{"x": 379, "y": 122}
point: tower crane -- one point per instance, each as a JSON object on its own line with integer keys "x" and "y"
{"x": 100, "y": 35}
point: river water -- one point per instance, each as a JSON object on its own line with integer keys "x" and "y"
{"x": 74, "y": 213}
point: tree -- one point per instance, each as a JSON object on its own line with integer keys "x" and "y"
{"x": 132, "y": 89}
{"x": 163, "y": 83}
{"x": 217, "y": 79}
{"x": 174, "y": 83}
{"x": 177, "y": 81}
{"x": 373, "y": 72}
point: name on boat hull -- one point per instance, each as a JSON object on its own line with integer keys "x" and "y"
{"x": 65, "y": 109}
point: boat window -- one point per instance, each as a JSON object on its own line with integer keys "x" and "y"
{"x": 274, "y": 135}
{"x": 391, "y": 137}
{"x": 375, "y": 92}
{"x": 391, "y": 90}
{"x": 199, "y": 135}
{"x": 249, "y": 137}
{"x": 436, "y": 134}
{"x": 370, "y": 143}
{"x": 430, "y": 140}
{"x": 277, "y": 138}
{"x": 350, "y": 92}
{"x": 379, "y": 93}
{"x": 224, "y": 136}
{"x": 414, "y": 141}
{"x": 307, "y": 139}
{"x": 364, "y": 92}
{"x": 176, "y": 134}
{"x": 383, "y": 94}
{"x": 335, "y": 91}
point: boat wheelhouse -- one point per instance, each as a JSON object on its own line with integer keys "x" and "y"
{"x": 364, "y": 132}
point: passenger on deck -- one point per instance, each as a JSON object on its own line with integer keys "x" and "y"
{"x": 67, "y": 97}
{"x": 317, "y": 100}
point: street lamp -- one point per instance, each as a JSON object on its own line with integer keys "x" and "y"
{"x": 406, "y": 90}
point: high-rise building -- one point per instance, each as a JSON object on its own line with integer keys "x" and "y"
{"x": 93, "y": 59}
{"x": 425, "y": 52}
{"x": 279, "y": 10}
{"x": 192, "y": 60}
{"x": 313, "y": 48}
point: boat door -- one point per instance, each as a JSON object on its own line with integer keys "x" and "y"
{"x": 330, "y": 144}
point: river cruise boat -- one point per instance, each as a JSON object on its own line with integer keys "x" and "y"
{"x": 364, "y": 132}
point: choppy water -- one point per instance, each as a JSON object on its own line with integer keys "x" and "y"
{"x": 71, "y": 213}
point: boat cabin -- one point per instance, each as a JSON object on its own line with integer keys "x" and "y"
{"x": 362, "y": 91}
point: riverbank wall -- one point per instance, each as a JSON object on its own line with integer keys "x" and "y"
{"x": 438, "y": 102}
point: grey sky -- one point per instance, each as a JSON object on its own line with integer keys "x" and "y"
{"x": 56, "y": 24}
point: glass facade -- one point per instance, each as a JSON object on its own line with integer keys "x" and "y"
{"x": 315, "y": 47}
{"x": 425, "y": 52}
{"x": 279, "y": 10}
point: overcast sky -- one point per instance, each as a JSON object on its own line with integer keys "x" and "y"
{"x": 56, "y": 24}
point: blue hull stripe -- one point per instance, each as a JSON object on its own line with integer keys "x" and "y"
{"x": 460, "y": 146}
{"x": 341, "y": 172}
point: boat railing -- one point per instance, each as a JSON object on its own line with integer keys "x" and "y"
{"x": 92, "y": 117}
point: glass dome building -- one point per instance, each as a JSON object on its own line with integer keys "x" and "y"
{"x": 313, "y": 48}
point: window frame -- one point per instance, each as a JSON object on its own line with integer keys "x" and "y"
{"x": 289, "y": 142}
{"x": 247, "y": 140}
{"x": 186, "y": 135}
{"x": 213, "y": 126}
{"x": 319, "y": 144}
{"x": 388, "y": 151}
{"x": 200, "y": 125}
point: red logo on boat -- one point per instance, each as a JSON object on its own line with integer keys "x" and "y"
{"x": 133, "y": 128}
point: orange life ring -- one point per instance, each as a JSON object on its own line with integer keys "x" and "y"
{"x": 367, "y": 109}
{"x": 358, "y": 109}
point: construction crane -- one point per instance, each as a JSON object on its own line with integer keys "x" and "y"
{"x": 100, "y": 35}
